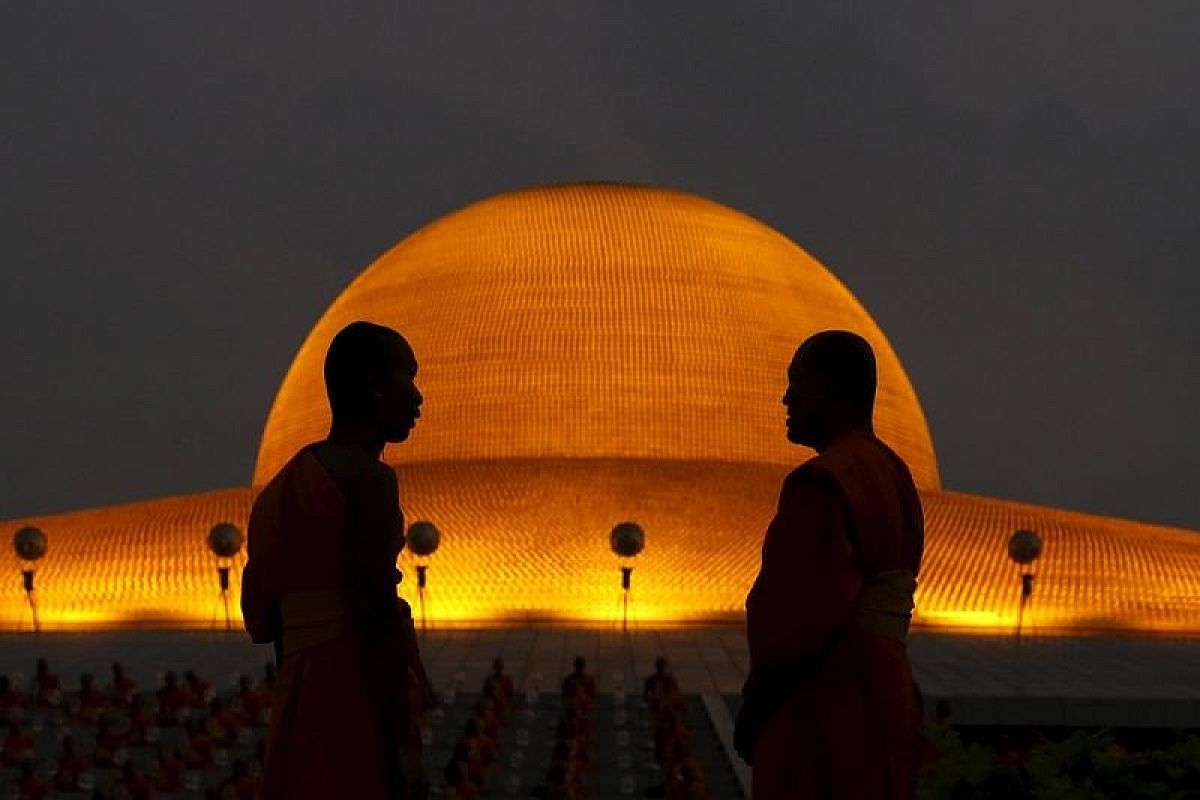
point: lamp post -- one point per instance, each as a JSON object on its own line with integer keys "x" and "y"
{"x": 30, "y": 544}
{"x": 225, "y": 541}
{"x": 1024, "y": 547}
{"x": 627, "y": 540}
{"x": 423, "y": 541}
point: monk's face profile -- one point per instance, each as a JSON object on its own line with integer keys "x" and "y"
{"x": 806, "y": 400}
{"x": 399, "y": 400}
{"x": 831, "y": 388}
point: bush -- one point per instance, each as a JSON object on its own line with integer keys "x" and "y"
{"x": 1087, "y": 765}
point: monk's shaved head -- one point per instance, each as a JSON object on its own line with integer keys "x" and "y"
{"x": 358, "y": 361}
{"x": 845, "y": 363}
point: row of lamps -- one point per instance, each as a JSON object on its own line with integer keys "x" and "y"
{"x": 627, "y": 540}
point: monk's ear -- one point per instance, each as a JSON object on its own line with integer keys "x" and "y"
{"x": 375, "y": 384}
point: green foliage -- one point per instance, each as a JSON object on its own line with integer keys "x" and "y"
{"x": 1088, "y": 765}
{"x": 965, "y": 772}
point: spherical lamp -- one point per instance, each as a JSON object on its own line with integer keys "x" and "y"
{"x": 225, "y": 541}
{"x": 423, "y": 538}
{"x": 627, "y": 539}
{"x": 30, "y": 544}
{"x": 1024, "y": 546}
{"x": 423, "y": 541}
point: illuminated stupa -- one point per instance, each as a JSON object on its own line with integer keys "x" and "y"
{"x": 592, "y": 354}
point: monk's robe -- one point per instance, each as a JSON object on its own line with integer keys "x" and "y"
{"x": 346, "y": 701}
{"x": 831, "y": 693}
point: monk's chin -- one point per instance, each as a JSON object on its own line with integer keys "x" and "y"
{"x": 396, "y": 437}
{"x": 796, "y": 437}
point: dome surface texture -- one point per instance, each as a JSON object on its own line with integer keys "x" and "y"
{"x": 594, "y": 355}
{"x": 597, "y": 321}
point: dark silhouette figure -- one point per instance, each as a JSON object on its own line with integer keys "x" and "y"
{"x": 320, "y": 584}
{"x": 660, "y": 687}
{"x": 578, "y": 686}
{"x": 830, "y": 707}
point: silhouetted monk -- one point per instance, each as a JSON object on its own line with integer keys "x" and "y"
{"x": 321, "y": 581}
{"x": 830, "y": 708}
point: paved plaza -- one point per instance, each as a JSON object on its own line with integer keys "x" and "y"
{"x": 988, "y": 680}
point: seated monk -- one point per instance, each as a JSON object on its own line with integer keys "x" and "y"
{"x": 142, "y": 727}
{"x": 168, "y": 772}
{"x": 200, "y": 749}
{"x": 672, "y": 746}
{"x": 172, "y": 701}
{"x": 110, "y": 744}
{"x": 123, "y": 687}
{"x": 71, "y": 765}
{"x": 92, "y": 700}
{"x": 320, "y": 584}
{"x": 458, "y": 784}
{"x": 199, "y": 691}
{"x": 578, "y": 685}
{"x": 686, "y": 782}
{"x": 133, "y": 785}
{"x": 564, "y": 778}
{"x": 499, "y": 704}
{"x": 830, "y": 706}
{"x": 466, "y": 752}
{"x": 47, "y": 686}
{"x": 240, "y": 785}
{"x": 484, "y": 746}
{"x": 558, "y": 781}
{"x": 484, "y": 712}
{"x": 12, "y": 704}
{"x": 502, "y": 683}
{"x": 253, "y": 701}
{"x": 31, "y": 786}
{"x": 659, "y": 685}
{"x": 18, "y": 745}
{"x": 223, "y": 724}
{"x": 573, "y": 726}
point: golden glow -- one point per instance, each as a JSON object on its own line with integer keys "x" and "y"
{"x": 597, "y": 321}
{"x": 126, "y": 565}
{"x": 527, "y": 540}
{"x": 596, "y": 354}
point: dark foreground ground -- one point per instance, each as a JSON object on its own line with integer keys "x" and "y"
{"x": 1101, "y": 716}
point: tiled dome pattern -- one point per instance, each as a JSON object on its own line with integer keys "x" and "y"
{"x": 597, "y": 321}
{"x": 527, "y": 540}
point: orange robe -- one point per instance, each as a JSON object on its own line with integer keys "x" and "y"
{"x": 851, "y": 730}
{"x": 338, "y": 702}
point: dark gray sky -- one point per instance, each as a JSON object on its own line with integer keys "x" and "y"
{"x": 1011, "y": 189}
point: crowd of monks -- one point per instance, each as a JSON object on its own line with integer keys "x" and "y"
{"x": 117, "y": 717}
{"x": 474, "y": 762}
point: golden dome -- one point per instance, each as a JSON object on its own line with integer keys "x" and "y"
{"x": 597, "y": 321}
{"x": 592, "y": 355}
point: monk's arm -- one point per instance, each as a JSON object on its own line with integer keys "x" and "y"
{"x": 257, "y": 609}
{"x": 806, "y": 585}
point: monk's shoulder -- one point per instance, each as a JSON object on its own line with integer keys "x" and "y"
{"x": 812, "y": 478}
{"x": 267, "y": 497}
{"x": 356, "y": 474}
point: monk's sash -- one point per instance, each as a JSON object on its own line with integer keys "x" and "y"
{"x": 312, "y": 618}
{"x": 885, "y": 605}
